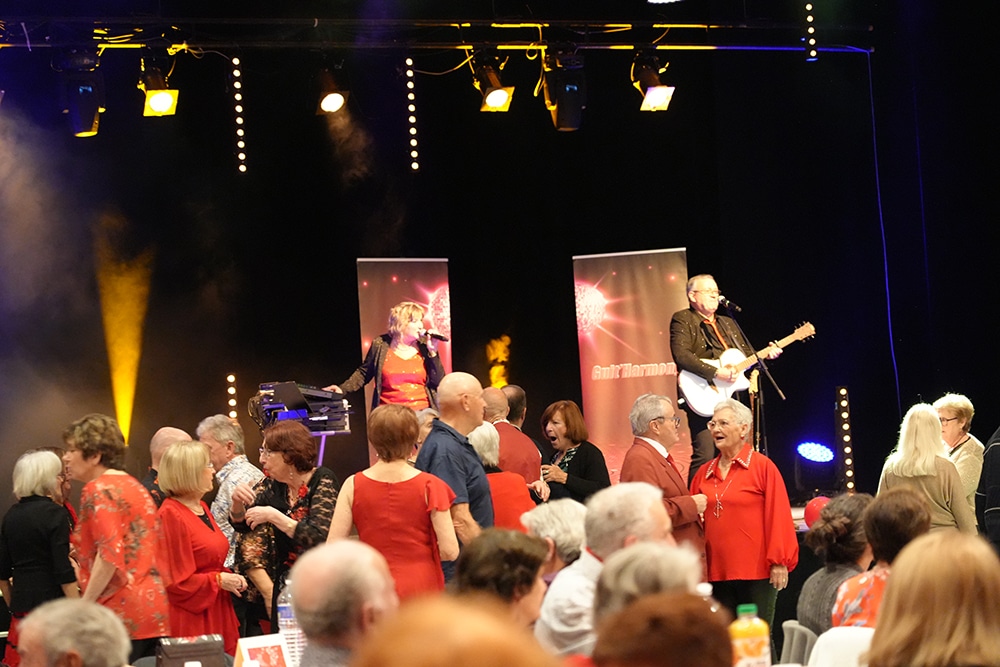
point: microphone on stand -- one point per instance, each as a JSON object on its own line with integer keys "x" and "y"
{"x": 723, "y": 301}
{"x": 436, "y": 336}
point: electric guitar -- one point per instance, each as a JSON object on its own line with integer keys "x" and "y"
{"x": 703, "y": 395}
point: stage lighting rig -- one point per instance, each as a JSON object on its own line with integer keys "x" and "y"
{"x": 81, "y": 88}
{"x": 160, "y": 99}
{"x": 486, "y": 69}
{"x": 565, "y": 89}
{"x": 333, "y": 91}
{"x": 646, "y": 73}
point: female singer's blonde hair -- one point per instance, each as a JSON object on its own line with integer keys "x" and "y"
{"x": 940, "y": 606}
{"x": 402, "y": 314}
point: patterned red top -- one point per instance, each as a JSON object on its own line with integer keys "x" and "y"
{"x": 118, "y": 523}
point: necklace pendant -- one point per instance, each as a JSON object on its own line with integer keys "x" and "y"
{"x": 718, "y": 507}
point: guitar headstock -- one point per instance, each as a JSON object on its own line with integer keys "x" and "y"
{"x": 804, "y": 331}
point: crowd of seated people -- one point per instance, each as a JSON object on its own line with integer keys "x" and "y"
{"x": 594, "y": 577}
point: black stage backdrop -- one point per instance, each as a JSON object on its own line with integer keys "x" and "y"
{"x": 764, "y": 169}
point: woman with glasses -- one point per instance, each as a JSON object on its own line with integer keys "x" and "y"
{"x": 194, "y": 549}
{"x": 750, "y": 540}
{"x": 955, "y": 412}
{"x": 116, "y": 535}
{"x": 577, "y": 469}
{"x": 286, "y": 513}
{"x": 34, "y": 543}
{"x": 403, "y": 363}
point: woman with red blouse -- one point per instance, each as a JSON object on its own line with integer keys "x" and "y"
{"x": 194, "y": 549}
{"x": 116, "y": 534}
{"x": 750, "y": 542}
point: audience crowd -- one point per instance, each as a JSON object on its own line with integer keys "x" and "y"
{"x": 466, "y": 542}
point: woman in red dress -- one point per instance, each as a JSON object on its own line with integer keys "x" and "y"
{"x": 403, "y": 513}
{"x": 194, "y": 548}
{"x": 115, "y": 537}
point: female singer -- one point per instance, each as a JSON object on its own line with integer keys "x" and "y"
{"x": 404, "y": 363}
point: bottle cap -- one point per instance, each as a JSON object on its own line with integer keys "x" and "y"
{"x": 748, "y": 609}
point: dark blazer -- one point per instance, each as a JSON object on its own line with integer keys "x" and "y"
{"x": 691, "y": 341}
{"x": 371, "y": 369}
{"x": 644, "y": 464}
{"x": 34, "y": 550}
{"x": 586, "y": 474}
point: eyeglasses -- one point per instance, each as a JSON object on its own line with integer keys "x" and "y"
{"x": 676, "y": 421}
{"x": 709, "y": 292}
{"x": 722, "y": 423}
{"x": 945, "y": 420}
{"x": 264, "y": 452}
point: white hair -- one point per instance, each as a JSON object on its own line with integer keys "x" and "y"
{"x": 560, "y": 521}
{"x": 645, "y": 568}
{"x": 485, "y": 439}
{"x": 36, "y": 473}
{"x": 619, "y": 512}
{"x": 88, "y": 629}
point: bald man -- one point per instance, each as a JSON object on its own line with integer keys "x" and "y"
{"x": 447, "y": 454}
{"x": 158, "y": 444}
{"x": 340, "y": 591}
{"x": 517, "y": 451}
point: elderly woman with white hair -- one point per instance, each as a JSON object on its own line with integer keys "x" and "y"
{"x": 920, "y": 463}
{"x": 645, "y": 568}
{"x": 560, "y": 523}
{"x": 508, "y": 490}
{"x": 955, "y": 412}
{"x": 750, "y": 542}
{"x": 34, "y": 543}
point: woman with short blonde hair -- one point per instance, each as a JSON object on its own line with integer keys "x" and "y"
{"x": 965, "y": 451}
{"x": 940, "y": 607}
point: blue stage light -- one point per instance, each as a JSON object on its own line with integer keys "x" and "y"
{"x": 816, "y": 452}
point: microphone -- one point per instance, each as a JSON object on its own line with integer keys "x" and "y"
{"x": 723, "y": 301}
{"x": 436, "y": 336}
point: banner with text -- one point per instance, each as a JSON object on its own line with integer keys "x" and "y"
{"x": 624, "y": 303}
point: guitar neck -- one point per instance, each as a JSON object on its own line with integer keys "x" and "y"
{"x": 752, "y": 359}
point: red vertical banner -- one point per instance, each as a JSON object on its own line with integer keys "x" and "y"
{"x": 624, "y": 303}
{"x": 382, "y": 283}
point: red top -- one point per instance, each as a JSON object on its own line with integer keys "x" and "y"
{"x": 118, "y": 523}
{"x": 404, "y": 381}
{"x": 395, "y": 519}
{"x": 754, "y": 528}
{"x": 518, "y": 453}
{"x": 191, "y": 558}
{"x": 511, "y": 499}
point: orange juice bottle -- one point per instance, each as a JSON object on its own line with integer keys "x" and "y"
{"x": 751, "y": 638}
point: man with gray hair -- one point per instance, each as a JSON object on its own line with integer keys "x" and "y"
{"x": 617, "y": 517}
{"x": 224, "y": 439}
{"x": 340, "y": 591}
{"x": 654, "y": 426}
{"x": 73, "y": 633}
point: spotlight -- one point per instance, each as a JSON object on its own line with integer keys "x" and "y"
{"x": 816, "y": 469}
{"x": 486, "y": 78}
{"x": 646, "y": 72}
{"x": 160, "y": 100}
{"x": 565, "y": 90}
{"x": 332, "y": 93}
{"x": 843, "y": 420}
{"x": 81, "y": 90}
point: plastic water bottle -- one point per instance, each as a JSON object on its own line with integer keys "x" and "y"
{"x": 751, "y": 638}
{"x": 288, "y": 626}
{"x": 704, "y": 591}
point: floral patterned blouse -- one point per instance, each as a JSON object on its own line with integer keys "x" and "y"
{"x": 271, "y": 549}
{"x": 118, "y": 522}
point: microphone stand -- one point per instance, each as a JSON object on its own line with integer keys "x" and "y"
{"x": 760, "y": 436}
